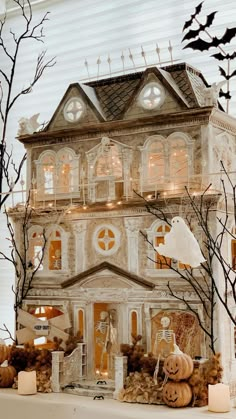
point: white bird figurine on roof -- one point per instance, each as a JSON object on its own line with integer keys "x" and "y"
{"x": 180, "y": 244}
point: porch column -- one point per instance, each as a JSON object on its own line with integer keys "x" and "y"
{"x": 120, "y": 374}
{"x": 90, "y": 340}
{"x": 147, "y": 318}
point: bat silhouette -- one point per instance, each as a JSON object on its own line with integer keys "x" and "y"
{"x": 190, "y": 21}
{"x": 225, "y": 75}
{"x": 193, "y": 33}
{"x": 202, "y": 45}
{"x": 98, "y": 398}
{"x": 222, "y": 57}
{"x": 226, "y": 95}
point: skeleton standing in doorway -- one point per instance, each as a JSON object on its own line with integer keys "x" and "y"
{"x": 106, "y": 327}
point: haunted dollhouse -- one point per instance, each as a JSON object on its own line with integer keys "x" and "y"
{"x": 113, "y": 147}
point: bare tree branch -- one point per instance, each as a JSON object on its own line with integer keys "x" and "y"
{"x": 30, "y": 31}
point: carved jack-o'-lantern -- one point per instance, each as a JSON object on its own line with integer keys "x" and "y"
{"x": 177, "y": 394}
{"x": 178, "y": 366}
{"x": 7, "y": 375}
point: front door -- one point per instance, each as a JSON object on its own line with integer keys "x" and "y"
{"x": 106, "y": 344}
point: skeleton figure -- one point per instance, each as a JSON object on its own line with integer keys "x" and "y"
{"x": 164, "y": 344}
{"x": 102, "y": 324}
{"x": 165, "y": 339}
{"x": 106, "y": 327}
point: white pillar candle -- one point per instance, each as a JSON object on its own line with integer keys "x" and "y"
{"x": 219, "y": 398}
{"x": 27, "y": 382}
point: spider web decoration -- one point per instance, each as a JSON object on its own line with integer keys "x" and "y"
{"x": 215, "y": 42}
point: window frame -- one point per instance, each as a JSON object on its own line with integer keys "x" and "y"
{"x": 73, "y": 190}
{"x": 117, "y": 236}
{"x": 167, "y": 144}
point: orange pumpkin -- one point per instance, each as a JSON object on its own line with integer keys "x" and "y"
{"x": 177, "y": 394}
{"x": 178, "y": 366}
{"x": 7, "y": 375}
{"x": 5, "y": 352}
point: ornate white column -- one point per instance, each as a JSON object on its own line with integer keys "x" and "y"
{"x": 120, "y": 374}
{"x": 132, "y": 226}
{"x": 148, "y": 325}
{"x": 57, "y": 370}
{"x": 80, "y": 255}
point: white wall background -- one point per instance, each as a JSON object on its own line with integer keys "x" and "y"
{"x": 88, "y": 29}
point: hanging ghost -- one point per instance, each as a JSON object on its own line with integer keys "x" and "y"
{"x": 180, "y": 244}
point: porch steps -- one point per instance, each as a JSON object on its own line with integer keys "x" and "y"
{"x": 91, "y": 389}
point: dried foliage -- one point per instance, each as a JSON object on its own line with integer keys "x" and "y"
{"x": 137, "y": 360}
{"x": 140, "y": 388}
{"x": 31, "y": 358}
{"x": 209, "y": 372}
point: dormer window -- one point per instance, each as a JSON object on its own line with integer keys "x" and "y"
{"x": 152, "y": 96}
{"x": 73, "y": 109}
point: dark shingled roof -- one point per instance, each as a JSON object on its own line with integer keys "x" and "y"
{"x": 114, "y": 93}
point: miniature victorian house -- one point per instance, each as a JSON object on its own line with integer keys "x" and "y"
{"x": 109, "y": 144}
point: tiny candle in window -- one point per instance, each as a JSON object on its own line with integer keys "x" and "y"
{"x": 219, "y": 398}
{"x": 27, "y": 382}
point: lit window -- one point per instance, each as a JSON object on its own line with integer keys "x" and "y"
{"x": 109, "y": 162}
{"x": 156, "y": 163}
{"x": 55, "y": 248}
{"x": 57, "y": 173}
{"x": 66, "y": 169}
{"x": 106, "y": 239}
{"x": 73, "y": 109}
{"x": 81, "y": 323}
{"x": 152, "y": 96}
{"x": 48, "y": 166}
{"x": 44, "y": 313}
{"x": 134, "y": 323}
{"x": 35, "y": 249}
{"x": 161, "y": 262}
{"x": 178, "y": 161}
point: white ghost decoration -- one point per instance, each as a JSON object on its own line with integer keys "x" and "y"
{"x": 180, "y": 244}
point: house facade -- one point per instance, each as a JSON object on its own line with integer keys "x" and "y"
{"x": 111, "y": 147}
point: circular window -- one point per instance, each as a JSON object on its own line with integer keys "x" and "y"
{"x": 73, "y": 109}
{"x": 152, "y": 96}
{"x": 106, "y": 239}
